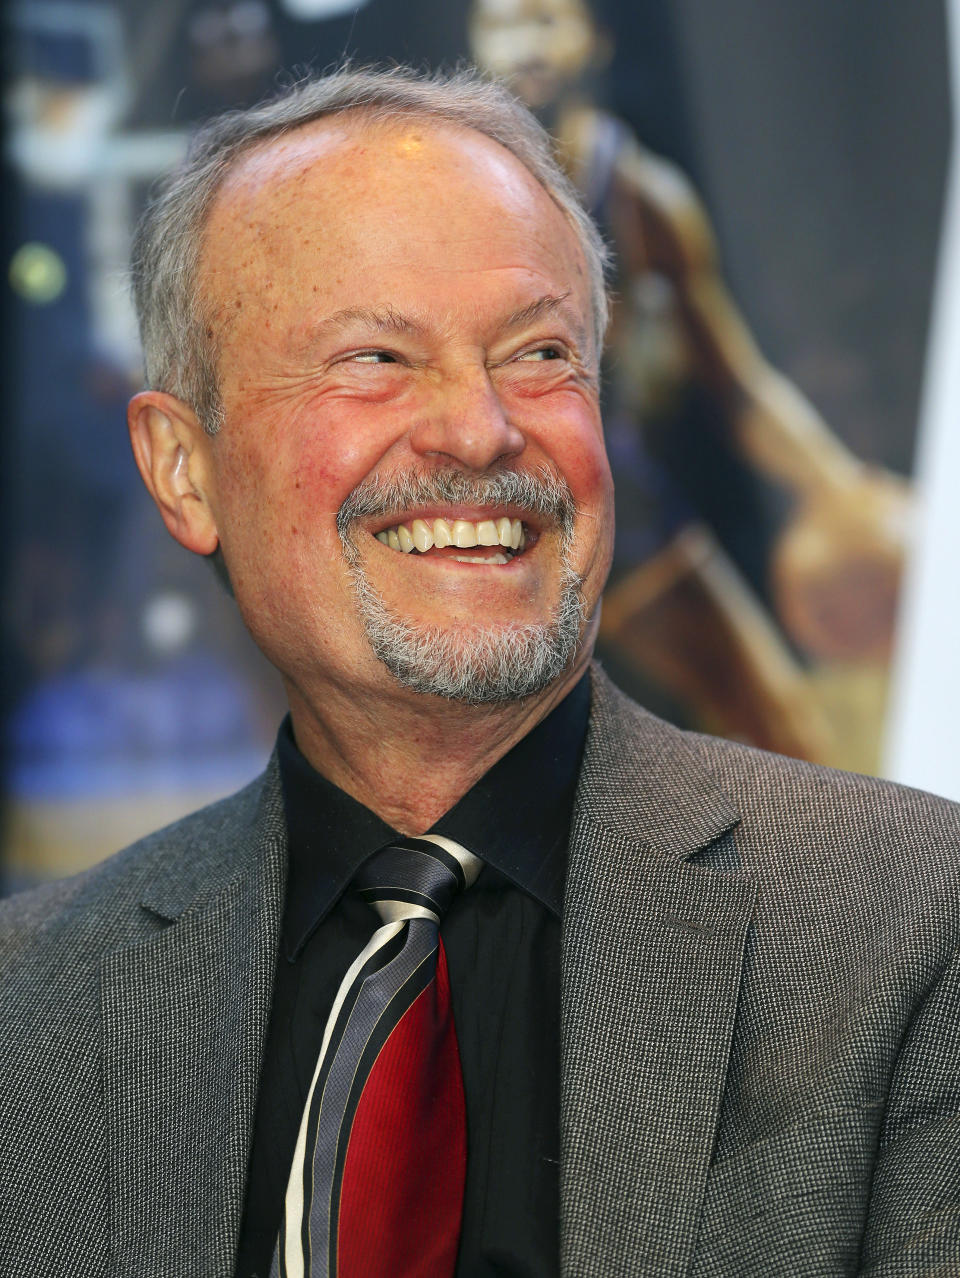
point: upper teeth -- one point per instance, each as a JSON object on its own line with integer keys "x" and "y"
{"x": 458, "y": 532}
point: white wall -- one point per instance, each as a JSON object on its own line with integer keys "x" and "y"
{"x": 923, "y": 735}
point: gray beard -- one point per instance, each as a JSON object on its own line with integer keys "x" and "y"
{"x": 474, "y": 664}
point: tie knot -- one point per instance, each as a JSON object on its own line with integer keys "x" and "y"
{"x": 416, "y": 878}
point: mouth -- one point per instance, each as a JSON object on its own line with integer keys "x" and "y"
{"x": 496, "y": 540}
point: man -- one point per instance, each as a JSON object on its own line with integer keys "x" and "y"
{"x": 372, "y": 315}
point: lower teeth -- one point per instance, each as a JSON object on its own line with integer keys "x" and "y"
{"x": 480, "y": 559}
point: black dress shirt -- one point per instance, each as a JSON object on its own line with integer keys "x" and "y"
{"x": 502, "y": 939}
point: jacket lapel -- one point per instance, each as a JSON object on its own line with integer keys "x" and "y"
{"x": 653, "y": 946}
{"x": 185, "y": 1015}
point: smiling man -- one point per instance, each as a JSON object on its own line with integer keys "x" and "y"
{"x": 410, "y": 491}
{"x": 491, "y": 973}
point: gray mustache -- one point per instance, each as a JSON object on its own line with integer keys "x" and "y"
{"x": 539, "y": 492}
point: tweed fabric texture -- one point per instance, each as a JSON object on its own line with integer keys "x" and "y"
{"x": 133, "y": 1008}
{"x": 788, "y": 1095}
{"x": 760, "y": 1040}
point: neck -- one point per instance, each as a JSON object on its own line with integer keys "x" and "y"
{"x": 410, "y": 758}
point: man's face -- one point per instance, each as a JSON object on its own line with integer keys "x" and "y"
{"x": 539, "y": 46}
{"x": 403, "y": 317}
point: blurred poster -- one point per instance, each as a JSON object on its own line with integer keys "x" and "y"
{"x": 772, "y": 182}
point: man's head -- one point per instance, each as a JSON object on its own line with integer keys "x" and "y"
{"x": 387, "y": 317}
{"x": 177, "y": 332}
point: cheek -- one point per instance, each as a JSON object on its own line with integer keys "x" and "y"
{"x": 323, "y": 473}
{"x": 337, "y": 443}
{"x": 589, "y": 472}
{"x": 303, "y": 462}
{"x": 582, "y": 460}
{"x": 574, "y": 444}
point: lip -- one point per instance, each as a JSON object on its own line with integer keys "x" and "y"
{"x": 446, "y": 562}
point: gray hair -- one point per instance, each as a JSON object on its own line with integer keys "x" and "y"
{"x": 178, "y": 338}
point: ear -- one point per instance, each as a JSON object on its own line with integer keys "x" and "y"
{"x": 172, "y": 452}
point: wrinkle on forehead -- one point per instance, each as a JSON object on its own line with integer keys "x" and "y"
{"x": 347, "y": 157}
{"x": 337, "y": 185}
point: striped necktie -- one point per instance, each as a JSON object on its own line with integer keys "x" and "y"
{"x": 376, "y": 1187}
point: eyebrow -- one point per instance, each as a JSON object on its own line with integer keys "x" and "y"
{"x": 546, "y": 305}
{"x": 387, "y": 320}
{"x": 542, "y": 306}
{"x": 384, "y": 320}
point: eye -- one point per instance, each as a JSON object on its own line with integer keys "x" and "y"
{"x": 542, "y": 353}
{"x": 373, "y": 357}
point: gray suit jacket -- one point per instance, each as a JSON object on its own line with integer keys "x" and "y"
{"x": 761, "y": 1039}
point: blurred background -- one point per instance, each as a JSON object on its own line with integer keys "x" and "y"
{"x": 775, "y": 182}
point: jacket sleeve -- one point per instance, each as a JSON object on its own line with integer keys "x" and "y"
{"x": 913, "y": 1224}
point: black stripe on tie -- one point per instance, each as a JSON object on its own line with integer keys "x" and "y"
{"x": 392, "y": 1015}
{"x": 395, "y": 870}
{"x": 371, "y": 895}
{"x": 438, "y": 853}
{"x": 373, "y": 964}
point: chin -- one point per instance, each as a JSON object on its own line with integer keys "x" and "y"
{"x": 475, "y": 665}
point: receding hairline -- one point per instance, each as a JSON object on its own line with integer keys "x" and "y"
{"x": 364, "y": 118}
{"x": 177, "y": 327}
{"x": 360, "y": 118}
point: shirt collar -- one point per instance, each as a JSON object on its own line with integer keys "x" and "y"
{"x": 516, "y": 818}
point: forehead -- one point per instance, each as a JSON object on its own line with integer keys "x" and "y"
{"x": 346, "y": 193}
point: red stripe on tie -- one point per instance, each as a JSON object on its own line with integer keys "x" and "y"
{"x": 401, "y": 1196}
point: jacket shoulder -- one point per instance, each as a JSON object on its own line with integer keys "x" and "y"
{"x": 177, "y": 864}
{"x": 784, "y": 816}
{"x": 878, "y": 815}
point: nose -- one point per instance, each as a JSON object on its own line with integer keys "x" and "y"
{"x": 466, "y": 423}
